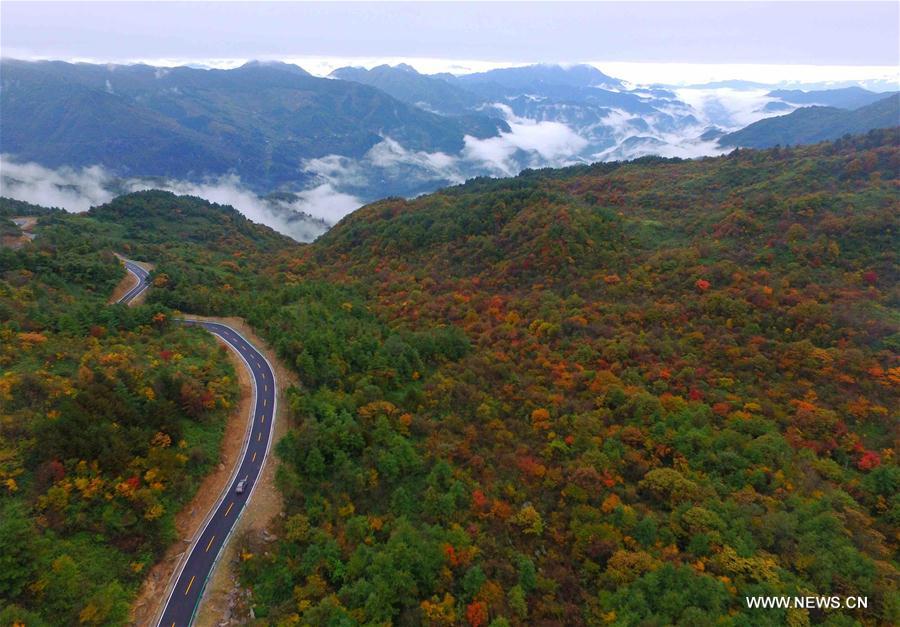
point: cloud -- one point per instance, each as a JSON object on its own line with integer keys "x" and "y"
{"x": 302, "y": 216}
{"x": 387, "y": 168}
{"x": 544, "y": 144}
{"x": 728, "y": 108}
{"x": 389, "y": 154}
{"x": 68, "y": 188}
{"x": 326, "y": 203}
{"x": 670, "y": 145}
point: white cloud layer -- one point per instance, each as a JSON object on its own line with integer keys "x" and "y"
{"x": 305, "y": 217}
{"x": 67, "y": 188}
{"x": 728, "y": 108}
{"x": 545, "y": 144}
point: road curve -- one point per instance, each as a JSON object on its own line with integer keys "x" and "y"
{"x": 197, "y": 565}
{"x": 143, "y": 281}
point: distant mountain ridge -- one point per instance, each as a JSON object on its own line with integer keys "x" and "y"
{"x": 811, "y": 125}
{"x": 844, "y": 98}
{"x": 323, "y": 146}
{"x": 579, "y": 96}
{"x": 405, "y": 83}
{"x": 259, "y": 121}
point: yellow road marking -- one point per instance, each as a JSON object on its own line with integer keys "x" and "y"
{"x": 253, "y": 459}
{"x": 230, "y": 505}
{"x": 259, "y": 436}
{"x": 188, "y": 589}
{"x": 210, "y": 543}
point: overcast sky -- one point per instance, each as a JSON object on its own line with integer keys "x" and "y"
{"x": 810, "y": 33}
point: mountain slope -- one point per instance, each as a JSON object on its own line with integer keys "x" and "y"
{"x": 844, "y": 98}
{"x": 405, "y": 83}
{"x": 259, "y": 121}
{"x": 674, "y": 393}
{"x": 809, "y": 125}
{"x": 543, "y": 76}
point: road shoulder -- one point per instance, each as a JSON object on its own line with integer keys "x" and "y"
{"x": 127, "y": 282}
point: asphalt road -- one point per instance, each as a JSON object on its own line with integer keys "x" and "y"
{"x": 197, "y": 566}
{"x": 143, "y": 283}
{"x": 185, "y": 595}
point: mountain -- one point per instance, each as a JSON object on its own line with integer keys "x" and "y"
{"x": 259, "y": 121}
{"x": 665, "y": 361}
{"x": 404, "y": 83}
{"x": 776, "y": 106}
{"x": 845, "y": 98}
{"x": 540, "y": 85}
{"x": 543, "y": 77}
{"x": 736, "y": 84}
{"x": 326, "y": 146}
{"x": 272, "y": 127}
{"x": 580, "y": 97}
{"x": 809, "y": 125}
{"x": 577, "y": 85}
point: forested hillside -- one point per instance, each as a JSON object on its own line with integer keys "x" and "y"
{"x": 655, "y": 388}
{"x": 260, "y": 120}
{"x": 628, "y": 393}
{"x": 809, "y": 125}
{"x": 109, "y": 416}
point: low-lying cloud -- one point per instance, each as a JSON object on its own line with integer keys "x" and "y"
{"x": 537, "y": 143}
{"x": 291, "y": 217}
{"x": 67, "y": 188}
{"x": 386, "y": 169}
{"x": 303, "y": 216}
{"x": 727, "y": 108}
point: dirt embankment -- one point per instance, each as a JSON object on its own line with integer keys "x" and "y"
{"x": 26, "y": 225}
{"x": 220, "y": 600}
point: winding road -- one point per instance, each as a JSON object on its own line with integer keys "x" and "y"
{"x": 143, "y": 281}
{"x": 201, "y": 558}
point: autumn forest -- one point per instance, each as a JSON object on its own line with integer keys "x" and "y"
{"x": 630, "y": 393}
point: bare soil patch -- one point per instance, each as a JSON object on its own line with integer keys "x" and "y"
{"x": 127, "y": 282}
{"x": 25, "y": 224}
